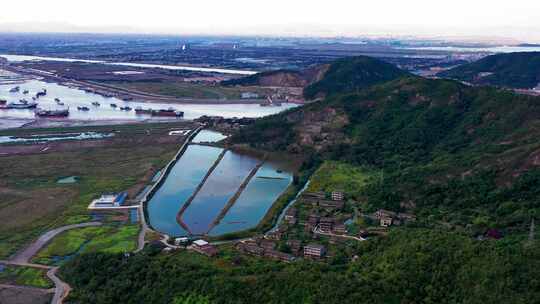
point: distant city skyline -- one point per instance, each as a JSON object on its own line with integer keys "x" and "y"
{"x": 517, "y": 20}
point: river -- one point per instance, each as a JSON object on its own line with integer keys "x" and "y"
{"x": 73, "y": 98}
{"x": 21, "y": 58}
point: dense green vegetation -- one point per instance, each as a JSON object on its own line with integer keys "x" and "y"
{"x": 27, "y": 276}
{"x": 352, "y": 74}
{"x": 108, "y": 238}
{"x": 409, "y": 266}
{"x": 460, "y": 155}
{"x": 513, "y": 70}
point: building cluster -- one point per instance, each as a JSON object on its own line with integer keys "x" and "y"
{"x": 266, "y": 247}
{"x": 322, "y": 212}
{"x": 226, "y": 124}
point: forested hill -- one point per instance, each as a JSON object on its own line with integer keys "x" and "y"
{"x": 513, "y": 70}
{"x": 459, "y": 154}
{"x": 352, "y": 74}
{"x": 343, "y": 75}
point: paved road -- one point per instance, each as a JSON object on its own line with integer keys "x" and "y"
{"x": 61, "y": 289}
{"x": 25, "y": 255}
{"x": 144, "y": 228}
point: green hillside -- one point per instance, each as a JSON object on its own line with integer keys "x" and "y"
{"x": 464, "y": 157}
{"x": 351, "y": 74}
{"x": 513, "y": 70}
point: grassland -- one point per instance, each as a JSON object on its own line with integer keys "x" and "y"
{"x": 31, "y": 202}
{"x": 109, "y": 239}
{"x": 188, "y": 90}
{"x": 335, "y": 175}
{"x": 27, "y": 276}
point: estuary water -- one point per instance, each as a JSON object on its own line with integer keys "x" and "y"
{"x": 73, "y": 98}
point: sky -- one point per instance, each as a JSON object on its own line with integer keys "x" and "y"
{"x": 517, "y": 19}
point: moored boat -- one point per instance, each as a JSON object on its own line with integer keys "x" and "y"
{"x": 140, "y": 110}
{"x": 52, "y": 113}
{"x": 22, "y": 104}
{"x": 170, "y": 112}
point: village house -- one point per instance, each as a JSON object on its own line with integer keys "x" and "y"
{"x": 340, "y": 228}
{"x": 281, "y": 256}
{"x": 267, "y": 244}
{"x": 290, "y": 216}
{"x": 295, "y": 246}
{"x": 314, "y": 195}
{"x": 338, "y": 196}
{"x": 315, "y": 251}
{"x": 385, "y": 221}
{"x": 313, "y": 219}
{"x": 203, "y": 247}
{"x": 326, "y": 224}
{"x": 181, "y": 241}
{"x": 274, "y": 235}
{"x": 250, "y": 248}
{"x": 385, "y": 213}
{"x": 330, "y": 205}
{"x": 388, "y": 218}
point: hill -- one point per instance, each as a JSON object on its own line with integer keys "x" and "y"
{"x": 513, "y": 70}
{"x": 319, "y": 81}
{"x": 280, "y": 78}
{"x": 352, "y": 74}
{"x": 457, "y": 155}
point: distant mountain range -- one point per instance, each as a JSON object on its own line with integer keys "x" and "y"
{"x": 512, "y": 70}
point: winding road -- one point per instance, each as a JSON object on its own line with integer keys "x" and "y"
{"x": 61, "y": 289}
{"x": 25, "y": 255}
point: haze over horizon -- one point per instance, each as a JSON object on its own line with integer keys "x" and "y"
{"x": 517, "y": 21}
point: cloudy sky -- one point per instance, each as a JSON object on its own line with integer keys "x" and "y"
{"x": 519, "y": 19}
